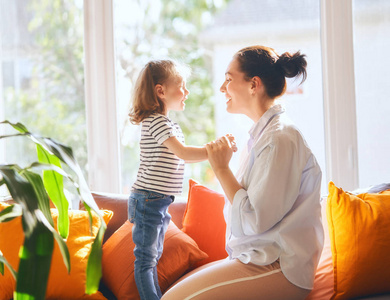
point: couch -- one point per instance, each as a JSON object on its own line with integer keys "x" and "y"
{"x": 205, "y": 206}
{"x": 355, "y": 262}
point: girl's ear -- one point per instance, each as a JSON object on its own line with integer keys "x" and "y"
{"x": 160, "y": 92}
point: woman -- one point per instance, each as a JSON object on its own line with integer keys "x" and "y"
{"x": 274, "y": 234}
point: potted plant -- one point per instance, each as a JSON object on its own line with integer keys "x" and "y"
{"x": 32, "y": 188}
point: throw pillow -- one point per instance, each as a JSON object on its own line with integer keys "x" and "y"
{"x": 204, "y": 221}
{"x": 359, "y": 228}
{"x": 179, "y": 254}
{"x": 61, "y": 285}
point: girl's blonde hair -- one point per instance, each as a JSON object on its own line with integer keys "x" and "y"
{"x": 145, "y": 100}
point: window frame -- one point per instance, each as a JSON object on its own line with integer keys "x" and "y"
{"x": 339, "y": 93}
{"x": 104, "y": 172}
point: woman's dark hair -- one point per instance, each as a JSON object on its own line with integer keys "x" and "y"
{"x": 272, "y": 68}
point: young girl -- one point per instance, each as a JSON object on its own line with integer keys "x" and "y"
{"x": 160, "y": 88}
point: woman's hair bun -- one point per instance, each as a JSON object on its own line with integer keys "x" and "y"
{"x": 293, "y": 64}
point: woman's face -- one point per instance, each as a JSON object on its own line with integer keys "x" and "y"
{"x": 236, "y": 89}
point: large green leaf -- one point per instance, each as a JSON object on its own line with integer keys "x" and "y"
{"x": 34, "y": 264}
{"x": 94, "y": 270}
{"x": 54, "y": 185}
{"x": 44, "y": 208}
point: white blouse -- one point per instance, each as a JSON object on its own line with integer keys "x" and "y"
{"x": 277, "y": 213}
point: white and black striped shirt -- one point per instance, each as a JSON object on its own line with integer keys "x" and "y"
{"x": 160, "y": 170}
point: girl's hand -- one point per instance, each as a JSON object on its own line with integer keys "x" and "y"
{"x": 220, "y": 152}
{"x": 232, "y": 141}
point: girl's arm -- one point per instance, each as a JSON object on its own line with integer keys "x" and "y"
{"x": 187, "y": 153}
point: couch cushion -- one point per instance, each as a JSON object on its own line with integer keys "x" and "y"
{"x": 359, "y": 227}
{"x": 204, "y": 221}
{"x": 118, "y": 204}
{"x": 180, "y": 253}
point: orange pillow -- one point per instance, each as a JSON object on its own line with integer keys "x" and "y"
{"x": 204, "y": 221}
{"x": 359, "y": 228}
{"x": 61, "y": 285}
{"x": 179, "y": 254}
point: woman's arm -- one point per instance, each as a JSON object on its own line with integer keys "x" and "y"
{"x": 187, "y": 153}
{"x": 219, "y": 154}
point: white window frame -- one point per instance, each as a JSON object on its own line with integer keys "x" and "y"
{"x": 339, "y": 93}
{"x": 338, "y": 82}
{"x": 104, "y": 173}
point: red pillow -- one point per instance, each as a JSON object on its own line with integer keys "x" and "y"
{"x": 179, "y": 254}
{"x": 204, "y": 221}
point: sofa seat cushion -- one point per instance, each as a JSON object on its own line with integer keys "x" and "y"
{"x": 324, "y": 279}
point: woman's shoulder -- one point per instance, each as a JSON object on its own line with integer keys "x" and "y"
{"x": 286, "y": 127}
{"x": 284, "y": 131}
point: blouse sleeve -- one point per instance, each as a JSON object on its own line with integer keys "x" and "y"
{"x": 273, "y": 187}
{"x": 160, "y": 129}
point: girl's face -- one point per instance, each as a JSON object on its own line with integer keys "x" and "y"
{"x": 237, "y": 90}
{"x": 175, "y": 94}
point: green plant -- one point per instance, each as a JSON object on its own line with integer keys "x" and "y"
{"x": 32, "y": 188}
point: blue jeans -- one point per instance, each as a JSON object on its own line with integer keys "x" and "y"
{"x": 149, "y": 212}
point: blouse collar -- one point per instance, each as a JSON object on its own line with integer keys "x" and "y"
{"x": 260, "y": 125}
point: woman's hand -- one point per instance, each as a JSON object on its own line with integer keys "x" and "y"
{"x": 220, "y": 152}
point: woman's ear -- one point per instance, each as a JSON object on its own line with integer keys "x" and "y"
{"x": 256, "y": 83}
{"x": 160, "y": 91}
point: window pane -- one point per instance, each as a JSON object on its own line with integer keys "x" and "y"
{"x": 151, "y": 29}
{"x": 295, "y": 27}
{"x": 372, "y": 62}
{"x": 42, "y": 75}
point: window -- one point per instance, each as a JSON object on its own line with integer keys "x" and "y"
{"x": 146, "y": 30}
{"x": 371, "y": 55}
{"x": 42, "y": 75}
{"x": 42, "y": 81}
{"x": 293, "y": 29}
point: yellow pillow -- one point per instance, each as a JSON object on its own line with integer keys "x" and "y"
{"x": 61, "y": 285}
{"x": 359, "y": 228}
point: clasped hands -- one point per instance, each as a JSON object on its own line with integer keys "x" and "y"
{"x": 220, "y": 151}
